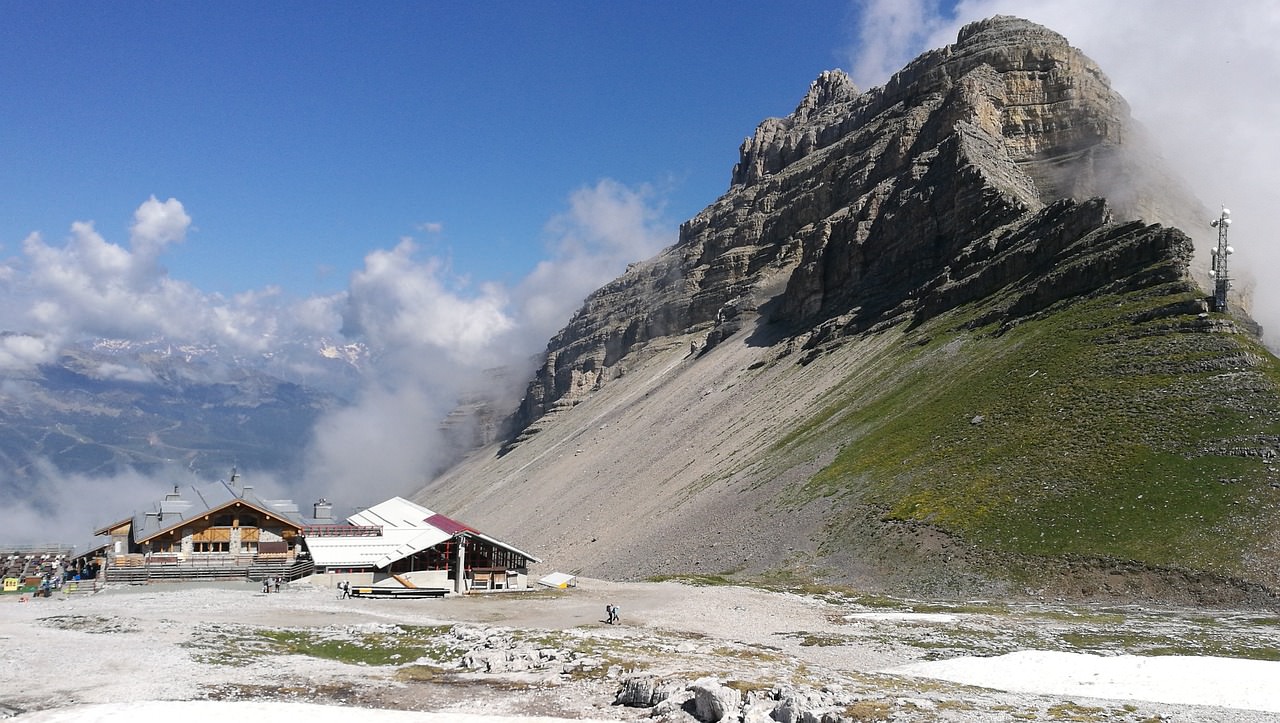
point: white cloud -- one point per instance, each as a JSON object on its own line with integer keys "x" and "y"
{"x": 123, "y": 373}
{"x": 396, "y": 302}
{"x": 435, "y": 338}
{"x": 889, "y": 34}
{"x": 24, "y": 351}
{"x": 606, "y": 227}
{"x": 89, "y": 286}
{"x": 432, "y": 338}
{"x": 156, "y": 224}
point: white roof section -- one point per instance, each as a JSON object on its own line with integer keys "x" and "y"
{"x": 407, "y": 528}
{"x": 404, "y": 532}
{"x": 396, "y": 512}
{"x": 371, "y": 551}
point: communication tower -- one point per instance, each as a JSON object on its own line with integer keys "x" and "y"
{"x": 1218, "y": 268}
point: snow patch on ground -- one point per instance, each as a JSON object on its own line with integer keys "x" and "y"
{"x": 1222, "y": 682}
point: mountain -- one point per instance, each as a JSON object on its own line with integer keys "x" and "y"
{"x": 109, "y": 405}
{"x": 940, "y": 337}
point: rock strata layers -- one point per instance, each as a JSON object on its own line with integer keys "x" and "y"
{"x": 972, "y": 169}
{"x": 920, "y": 345}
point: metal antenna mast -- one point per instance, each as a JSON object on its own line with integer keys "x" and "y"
{"x": 1218, "y": 271}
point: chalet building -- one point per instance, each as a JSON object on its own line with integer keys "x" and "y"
{"x": 221, "y": 531}
{"x": 215, "y": 524}
{"x": 399, "y": 543}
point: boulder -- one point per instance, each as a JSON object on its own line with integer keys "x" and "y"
{"x": 714, "y": 702}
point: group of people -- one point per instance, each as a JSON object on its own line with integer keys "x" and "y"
{"x": 270, "y": 584}
{"x": 344, "y": 589}
{"x": 611, "y": 614}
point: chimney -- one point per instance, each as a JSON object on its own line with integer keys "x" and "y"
{"x": 322, "y": 509}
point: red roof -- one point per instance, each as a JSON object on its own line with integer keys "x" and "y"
{"x": 448, "y": 526}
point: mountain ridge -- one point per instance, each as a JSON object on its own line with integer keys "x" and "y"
{"x": 726, "y": 406}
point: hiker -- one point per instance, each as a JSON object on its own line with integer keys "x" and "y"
{"x": 346, "y": 589}
{"x": 277, "y": 584}
{"x": 612, "y": 611}
{"x": 266, "y": 584}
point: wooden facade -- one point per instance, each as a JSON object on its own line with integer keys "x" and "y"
{"x": 235, "y": 530}
{"x": 216, "y": 524}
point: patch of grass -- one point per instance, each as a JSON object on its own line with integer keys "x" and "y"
{"x": 869, "y": 710}
{"x": 232, "y": 645}
{"x": 420, "y": 674}
{"x": 706, "y": 580}
{"x": 1094, "y": 431}
{"x": 965, "y": 608}
{"x": 1075, "y": 712}
{"x": 365, "y": 650}
{"x": 812, "y": 640}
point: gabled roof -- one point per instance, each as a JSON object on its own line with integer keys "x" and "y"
{"x": 177, "y": 509}
{"x": 108, "y": 529}
{"x": 407, "y": 528}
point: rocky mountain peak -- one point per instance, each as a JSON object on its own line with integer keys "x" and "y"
{"x": 864, "y": 209}
{"x": 1005, "y": 31}
{"x": 935, "y": 326}
{"x": 831, "y": 86}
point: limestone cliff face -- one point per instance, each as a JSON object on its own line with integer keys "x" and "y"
{"x": 861, "y": 210}
{"x": 911, "y": 348}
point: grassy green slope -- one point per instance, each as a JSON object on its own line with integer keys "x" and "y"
{"x": 1096, "y": 431}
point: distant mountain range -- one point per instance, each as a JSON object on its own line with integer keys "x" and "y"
{"x": 108, "y": 405}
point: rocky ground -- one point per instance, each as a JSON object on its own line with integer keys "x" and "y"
{"x": 681, "y": 653}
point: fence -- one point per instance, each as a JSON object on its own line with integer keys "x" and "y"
{"x": 209, "y": 571}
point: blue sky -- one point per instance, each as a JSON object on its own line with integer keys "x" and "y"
{"x": 445, "y": 183}
{"x": 300, "y": 136}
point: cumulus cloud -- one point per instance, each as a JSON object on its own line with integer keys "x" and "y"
{"x": 123, "y": 373}
{"x": 1200, "y": 77}
{"x": 437, "y": 340}
{"x": 396, "y": 302}
{"x": 432, "y": 340}
{"x": 157, "y": 224}
{"x": 88, "y": 286}
{"x": 889, "y": 34}
{"x": 24, "y": 351}
{"x": 55, "y": 507}
{"x": 606, "y": 227}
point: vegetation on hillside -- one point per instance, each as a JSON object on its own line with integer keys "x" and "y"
{"x": 1117, "y": 426}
